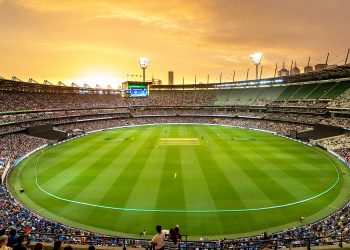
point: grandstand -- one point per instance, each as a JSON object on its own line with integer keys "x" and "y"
{"x": 283, "y": 105}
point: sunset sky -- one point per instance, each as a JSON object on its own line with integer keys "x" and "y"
{"x": 100, "y": 41}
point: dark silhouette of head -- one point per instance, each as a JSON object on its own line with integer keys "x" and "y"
{"x": 159, "y": 229}
{"x": 68, "y": 247}
{"x": 13, "y": 232}
{"x": 38, "y": 246}
{"x": 57, "y": 245}
{"x": 20, "y": 239}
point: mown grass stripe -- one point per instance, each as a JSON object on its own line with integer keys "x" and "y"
{"x": 171, "y": 195}
{"x": 85, "y": 174}
{"x": 296, "y": 168}
{"x": 250, "y": 193}
{"x": 48, "y": 169}
{"x": 195, "y": 187}
{"x": 291, "y": 175}
{"x": 277, "y": 171}
{"x": 196, "y": 190}
{"x": 123, "y": 185}
{"x": 276, "y": 193}
{"x": 222, "y": 191}
{"x": 145, "y": 192}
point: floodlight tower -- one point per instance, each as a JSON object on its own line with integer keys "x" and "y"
{"x": 256, "y": 59}
{"x": 144, "y": 61}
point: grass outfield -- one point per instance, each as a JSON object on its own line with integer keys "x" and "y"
{"x": 212, "y": 181}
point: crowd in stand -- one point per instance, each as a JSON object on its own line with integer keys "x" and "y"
{"x": 13, "y": 146}
{"x": 312, "y": 104}
{"x": 297, "y": 118}
{"x": 279, "y": 127}
{"x": 14, "y": 218}
{"x": 339, "y": 144}
{"x": 97, "y": 125}
{"x": 14, "y": 101}
{"x": 342, "y": 101}
{"x": 310, "y": 119}
{"x": 176, "y": 98}
{"x": 295, "y": 109}
{"x": 16, "y": 127}
{"x": 304, "y": 118}
{"x": 32, "y": 116}
{"x": 19, "y": 101}
{"x": 37, "y": 108}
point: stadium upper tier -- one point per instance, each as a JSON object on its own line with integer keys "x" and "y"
{"x": 321, "y": 98}
{"x": 334, "y": 92}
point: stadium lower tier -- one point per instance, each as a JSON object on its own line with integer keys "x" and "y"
{"x": 15, "y": 122}
{"x": 220, "y": 186}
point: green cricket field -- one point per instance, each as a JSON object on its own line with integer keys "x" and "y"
{"x": 212, "y": 181}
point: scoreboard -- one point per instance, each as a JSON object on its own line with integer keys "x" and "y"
{"x": 136, "y": 89}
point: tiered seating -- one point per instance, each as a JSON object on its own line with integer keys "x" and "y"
{"x": 288, "y": 92}
{"x": 228, "y": 97}
{"x": 335, "y": 142}
{"x": 339, "y": 89}
{"x": 241, "y": 97}
{"x": 342, "y": 101}
{"x": 320, "y": 90}
{"x": 175, "y": 98}
{"x": 303, "y": 91}
{"x": 268, "y": 95}
{"x": 248, "y": 96}
{"x": 12, "y": 101}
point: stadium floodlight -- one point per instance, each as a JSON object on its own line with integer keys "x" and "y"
{"x": 256, "y": 59}
{"x": 144, "y": 62}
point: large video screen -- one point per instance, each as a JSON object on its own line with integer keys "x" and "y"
{"x": 137, "y": 91}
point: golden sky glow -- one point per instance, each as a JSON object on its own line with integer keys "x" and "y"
{"x": 100, "y": 41}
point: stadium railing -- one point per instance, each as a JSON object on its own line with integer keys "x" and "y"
{"x": 81, "y": 241}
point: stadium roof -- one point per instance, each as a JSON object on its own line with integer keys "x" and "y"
{"x": 329, "y": 73}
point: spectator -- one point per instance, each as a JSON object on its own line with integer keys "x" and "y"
{"x": 69, "y": 247}
{"x": 38, "y": 246}
{"x": 174, "y": 240}
{"x": 19, "y": 245}
{"x": 177, "y": 231}
{"x": 158, "y": 240}
{"x": 13, "y": 238}
{"x": 57, "y": 245}
{"x": 3, "y": 243}
{"x": 91, "y": 247}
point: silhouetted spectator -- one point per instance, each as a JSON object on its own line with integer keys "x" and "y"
{"x": 19, "y": 245}
{"x": 38, "y": 246}
{"x": 57, "y": 245}
{"x": 13, "y": 238}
